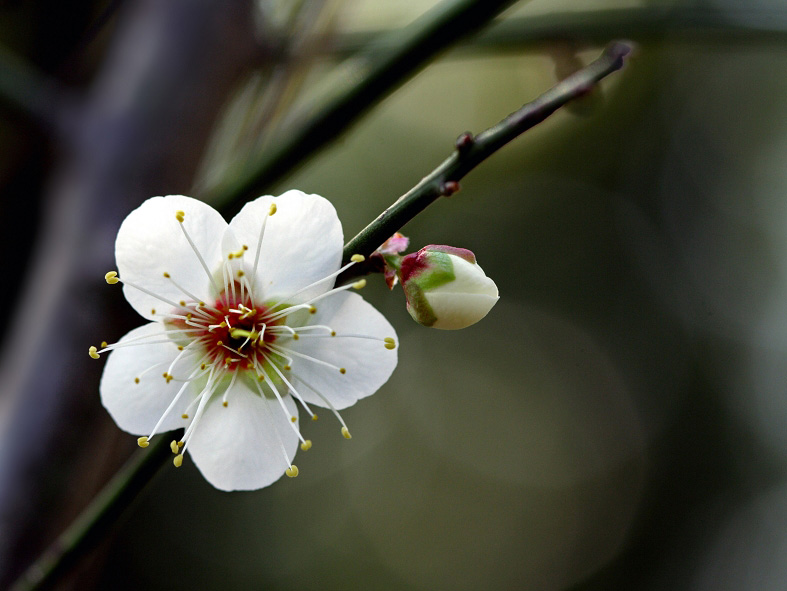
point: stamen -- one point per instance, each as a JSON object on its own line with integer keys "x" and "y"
{"x": 278, "y": 349}
{"x": 346, "y": 433}
{"x": 179, "y": 215}
{"x": 306, "y": 445}
{"x": 292, "y": 470}
{"x": 294, "y": 392}
{"x": 271, "y": 211}
{"x": 93, "y": 352}
{"x": 353, "y": 261}
{"x": 272, "y": 386}
{"x": 111, "y": 277}
{"x": 199, "y": 302}
{"x": 327, "y": 403}
{"x": 143, "y": 442}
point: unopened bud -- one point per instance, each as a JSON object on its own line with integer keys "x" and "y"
{"x": 445, "y": 287}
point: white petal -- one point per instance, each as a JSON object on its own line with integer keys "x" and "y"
{"x": 136, "y": 408}
{"x": 368, "y": 363}
{"x": 236, "y": 447}
{"x": 459, "y": 310}
{"x": 150, "y": 242}
{"x": 302, "y": 243}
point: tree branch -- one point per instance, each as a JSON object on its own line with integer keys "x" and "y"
{"x": 97, "y": 518}
{"x": 470, "y": 152}
{"x": 387, "y": 62}
{"x": 644, "y": 23}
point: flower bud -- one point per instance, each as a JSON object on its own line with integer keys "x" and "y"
{"x": 445, "y": 288}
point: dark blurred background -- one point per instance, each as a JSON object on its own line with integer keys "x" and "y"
{"x": 617, "y": 422}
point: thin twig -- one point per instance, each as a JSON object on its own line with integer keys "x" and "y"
{"x": 387, "y": 63}
{"x": 113, "y": 499}
{"x": 470, "y": 152}
{"x": 641, "y": 24}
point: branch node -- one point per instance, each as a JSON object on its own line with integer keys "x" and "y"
{"x": 464, "y": 142}
{"x": 448, "y": 188}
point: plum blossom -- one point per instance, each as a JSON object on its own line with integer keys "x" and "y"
{"x": 445, "y": 287}
{"x": 245, "y": 325}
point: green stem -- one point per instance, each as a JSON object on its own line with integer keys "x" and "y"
{"x": 386, "y": 64}
{"x": 470, "y": 152}
{"x": 96, "y": 519}
{"x": 642, "y": 24}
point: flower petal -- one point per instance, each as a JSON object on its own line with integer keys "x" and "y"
{"x": 302, "y": 243}
{"x": 137, "y": 407}
{"x": 367, "y": 362}
{"x": 236, "y": 447}
{"x": 150, "y": 242}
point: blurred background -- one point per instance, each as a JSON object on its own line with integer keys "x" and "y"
{"x": 618, "y": 420}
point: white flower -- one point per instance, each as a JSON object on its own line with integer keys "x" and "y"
{"x": 244, "y": 322}
{"x": 445, "y": 287}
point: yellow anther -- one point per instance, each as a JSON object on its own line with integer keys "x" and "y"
{"x": 136, "y": 380}
{"x": 287, "y": 367}
{"x": 168, "y": 377}
{"x": 312, "y": 310}
{"x": 93, "y": 352}
{"x": 357, "y": 258}
{"x": 182, "y": 302}
{"x": 260, "y": 377}
{"x": 181, "y": 443}
{"x": 390, "y": 346}
{"x": 180, "y": 216}
{"x": 188, "y": 316}
{"x": 153, "y": 311}
{"x": 314, "y": 417}
{"x": 178, "y": 459}
{"x": 245, "y": 247}
{"x": 292, "y": 471}
{"x": 359, "y": 284}
{"x": 295, "y": 336}
{"x": 180, "y": 347}
{"x": 111, "y": 277}
{"x": 342, "y": 370}
{"x": 306, "y": 445}
{"x": 237, "y": 255}
{"x": 241, "y": 273}
{"x": 143, "y": 441}
{"x": 346, "y": 433}
{"x": 389, "y": 340}
{"x": 293, "y": 419}
{"x": 333, "y": 333}
{"x": 203, "y": 366}
{"x": 184, "y": 416}
{"x": 103, "y": 344}
{"x": 166, "y": 275}
{"x": 174, "y": 446}
{"x": 225, "y": 404}
{"x": 272, "y": 210}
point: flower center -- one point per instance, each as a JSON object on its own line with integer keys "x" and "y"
{"x": 234, "y": 332}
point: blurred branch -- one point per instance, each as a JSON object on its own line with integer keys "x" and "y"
{"x": 141, "y": 126}
{"x": 470, "y": 152}
{"x": 646, "y": 23}
{"x": 382, "y": 67}
{"x": 102, "y": 512}
{"x": 28, "y": 91}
